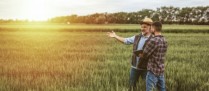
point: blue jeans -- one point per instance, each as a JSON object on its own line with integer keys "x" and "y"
{"x": 134, "y": 77}
{"x": 153, "y": 81}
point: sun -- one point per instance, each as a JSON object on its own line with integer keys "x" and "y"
{"x": 35, "y": 10}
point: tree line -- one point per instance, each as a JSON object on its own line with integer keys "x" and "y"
{"x": 165, "y": 14}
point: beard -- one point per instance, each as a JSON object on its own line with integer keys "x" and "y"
{"x": 144, "y": 33}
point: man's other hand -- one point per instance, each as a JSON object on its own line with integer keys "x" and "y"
{"x": 111, "y": 34}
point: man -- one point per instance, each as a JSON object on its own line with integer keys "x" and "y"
{"x": 138, "y": 41}
{"x": 155, "y": 51}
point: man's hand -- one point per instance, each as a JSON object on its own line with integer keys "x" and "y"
{"x": 111, "y": 34}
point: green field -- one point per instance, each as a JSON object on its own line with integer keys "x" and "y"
{"x": 91, "y": 61}
{"x": 98, "y": 26}
{"x": 101, "y": 28}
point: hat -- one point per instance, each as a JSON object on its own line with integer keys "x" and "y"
{"x": 147, "y": 21}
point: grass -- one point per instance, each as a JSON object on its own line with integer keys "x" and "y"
{"x": 96, "y": 26}
{"x": 90, "y": 61}
{"x": 99, "y": 28}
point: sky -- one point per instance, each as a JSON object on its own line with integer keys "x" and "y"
{"x": 45, "y": 9}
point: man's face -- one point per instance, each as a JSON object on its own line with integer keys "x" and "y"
{"x": 145, "y": 28}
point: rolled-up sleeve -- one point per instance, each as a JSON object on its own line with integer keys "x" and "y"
{"x": 129, "y": 40}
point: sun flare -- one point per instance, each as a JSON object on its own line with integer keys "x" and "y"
{"x": 36, "y": 10}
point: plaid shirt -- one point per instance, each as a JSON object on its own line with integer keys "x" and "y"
{"x": 155, "y": 51}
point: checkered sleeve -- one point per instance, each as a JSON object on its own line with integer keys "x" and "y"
{"x": 149, "y": 48}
